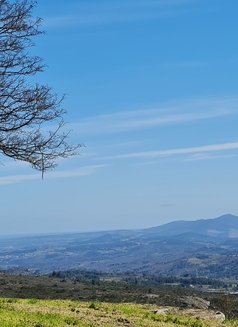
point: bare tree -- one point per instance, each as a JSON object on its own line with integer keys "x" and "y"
{"x": 27, "y": 110}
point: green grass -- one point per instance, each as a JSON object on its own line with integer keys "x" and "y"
{"x": 52, "y": 313}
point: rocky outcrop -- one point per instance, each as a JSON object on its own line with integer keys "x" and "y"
{"x": 201, "y": 314}
{"x": 194, "y": 302}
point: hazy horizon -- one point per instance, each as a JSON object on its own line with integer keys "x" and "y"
{"x": 48, "y": 233}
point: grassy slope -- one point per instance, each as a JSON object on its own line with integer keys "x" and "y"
{"x": 52, "y": 313}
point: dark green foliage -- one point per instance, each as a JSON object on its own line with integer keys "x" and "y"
{"x": 109, "y": 289}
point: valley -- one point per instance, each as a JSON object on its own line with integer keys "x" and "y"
{"x": 203, "y": 248}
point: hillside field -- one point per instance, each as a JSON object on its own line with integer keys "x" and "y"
{"x": 63, "y": 313}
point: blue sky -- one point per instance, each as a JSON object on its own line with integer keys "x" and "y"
{"x": 151, "y": 91}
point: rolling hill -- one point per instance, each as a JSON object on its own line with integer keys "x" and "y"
{"x": 206, "y": 247}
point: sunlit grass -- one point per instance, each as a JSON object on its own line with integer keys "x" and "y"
{"x": 63, "y": 313}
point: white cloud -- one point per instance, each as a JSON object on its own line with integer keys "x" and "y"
{"x": 80, "y": 172}
{"x": 13, "y": 179}
{"x": 107, "y": 12}
{"x": 171, "y": 114}
{"x": 209, "y": 156}
{"x": 175, "y": 152}
{"x": 98, "y": 19}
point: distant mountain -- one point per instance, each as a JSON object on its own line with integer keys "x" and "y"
{"x": 225, "y": 226}
{"x": 206, "y": 248}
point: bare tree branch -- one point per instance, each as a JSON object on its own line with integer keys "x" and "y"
{"x": 26, "y": 109}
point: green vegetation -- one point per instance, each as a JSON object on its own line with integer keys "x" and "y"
{"x": 48, "y": 302}
{"x": 52, "y": 313}
{"x": 98, "y": 289}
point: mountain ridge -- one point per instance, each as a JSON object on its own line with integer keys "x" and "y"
{"x": 223, "y": 226}
{"x": 206, "y": 247}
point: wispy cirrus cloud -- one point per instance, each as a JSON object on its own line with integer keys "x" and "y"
{"x": 210, "y": 156}
{"x": 73, "y": 173}
{"x": 171, "y": 114}
{"x": 108, "y": 12}
{"x": 210, "y": 148}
